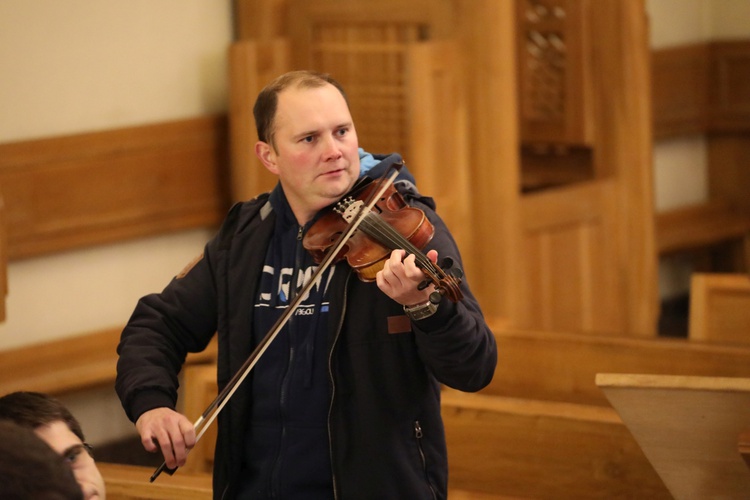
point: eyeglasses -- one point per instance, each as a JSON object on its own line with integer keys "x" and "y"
{"x": 73, "y": 455}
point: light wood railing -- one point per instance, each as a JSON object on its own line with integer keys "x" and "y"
{"x": 70, "y": 364}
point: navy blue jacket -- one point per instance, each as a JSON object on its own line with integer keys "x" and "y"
{"x": 386, "y": 434}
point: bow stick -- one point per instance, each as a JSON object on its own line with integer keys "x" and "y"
{"x": 213, "y": 410}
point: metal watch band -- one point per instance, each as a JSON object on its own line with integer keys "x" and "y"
{"x": 421, "y": 311}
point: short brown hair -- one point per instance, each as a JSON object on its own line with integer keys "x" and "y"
{"x": 264, "y": 110}
{"x": 34, "y": 409}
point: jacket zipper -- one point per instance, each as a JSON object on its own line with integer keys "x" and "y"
{"x": 333, "y": 384}
{"x": 418, "y": 434}
{"x": 290, "y": 360}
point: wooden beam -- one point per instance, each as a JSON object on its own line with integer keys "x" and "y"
{"x": 699, "y": 88}
{"x": 70, "y": 364}
{"x": 100, "y": 187}
{"x": 561, "y": 366}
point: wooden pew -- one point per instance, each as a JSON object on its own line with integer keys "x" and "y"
{"x": 540, "y": 449}
{"x": 131, "y": 482}
{"x": 70, "y": 364}
{"x": 199, "y": 383}
{"x": 561, "y": 366}
{"x": 703, "y": 226}
{"x": 720, "y": 308}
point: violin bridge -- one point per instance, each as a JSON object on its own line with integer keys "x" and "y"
{"x": 348, "y": 208}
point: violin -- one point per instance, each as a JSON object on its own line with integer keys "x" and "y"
{"x": 391, "y": 223}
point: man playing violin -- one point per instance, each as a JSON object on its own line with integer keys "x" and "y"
{"x": 345, "y": 401}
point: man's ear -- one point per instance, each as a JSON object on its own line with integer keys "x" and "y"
{"x": 267, "y": 156}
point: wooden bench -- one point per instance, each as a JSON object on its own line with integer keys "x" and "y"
{"x": 561, "y": 366}
{"x": 543, "y": 423}
{"x": 131, "y": 482}
{"x": 720, "y": 308}
{"x": 70, "y": 364}
{"x": 701, "y": 226}
{"x": 539, "y": 449}
{"x": 200, "y": 390}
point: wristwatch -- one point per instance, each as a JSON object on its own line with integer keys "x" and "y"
{"x": 420, "y": 311}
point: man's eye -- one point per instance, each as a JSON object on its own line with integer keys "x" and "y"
{"x": 307, "y": 139}
{"x": 73, "y": 454}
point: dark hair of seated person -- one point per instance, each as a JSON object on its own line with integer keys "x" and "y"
{"x": 35, "y": 409}
{"x": 30, "y": 469}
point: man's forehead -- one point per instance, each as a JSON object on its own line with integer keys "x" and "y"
{"x": 57, "y": 435}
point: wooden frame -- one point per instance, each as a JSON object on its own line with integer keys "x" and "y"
{"x": 69, "y": 192}
{"x": 720, "y": 308}
{"x": 701, "y": 88}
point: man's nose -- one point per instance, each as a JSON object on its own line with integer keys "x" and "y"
{"x": 332, "y": 148}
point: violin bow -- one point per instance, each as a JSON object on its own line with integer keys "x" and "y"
{"x": 208, "y": 416}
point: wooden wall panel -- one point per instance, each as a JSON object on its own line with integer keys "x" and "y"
{"x": 487, "y": 34}
{"x": 69, "y": 192}
{"x": 624, "y": 149}
{"x": 364, "y": 45}
{"x": 720, "y": 308}
{"x": 701, "y": 88}
{"x": 438, "y": 134}
{"x": 730, "y": 86}
{"x": 252, "y": 65}
{"x": 729, "y": 169}
{"x": 3, "y": 261}
{"x": 679, "y": 89}
{"x": 567, "y": 252}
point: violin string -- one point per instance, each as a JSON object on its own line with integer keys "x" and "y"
{"x": 376, "y": 227}
{"x": 385, "y": 233}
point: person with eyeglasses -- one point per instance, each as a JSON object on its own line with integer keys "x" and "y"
{"x": 55, "y": 425}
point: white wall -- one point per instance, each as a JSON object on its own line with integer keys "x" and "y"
{"x": 82, "y": 65}
{"x": 69, "y": 66}
{"x": 680, "y": 164}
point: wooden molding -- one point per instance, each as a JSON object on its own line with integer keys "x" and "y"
{"x": 70, "y": 364}
{"x": 730, "y": 98}
{"x": 562, "y": 366}
{"x": 69, "y": 192}
{"x": 679, "y": 89}
{"x": 701, "y": 88}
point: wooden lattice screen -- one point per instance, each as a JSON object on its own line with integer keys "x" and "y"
{"x": 552, "y": 56}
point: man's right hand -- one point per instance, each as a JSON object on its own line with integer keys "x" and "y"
{"x": 165, "y": 429}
